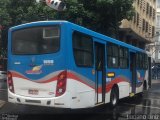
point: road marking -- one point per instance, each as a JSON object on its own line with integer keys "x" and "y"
{"x": 152, "y": 99}
{"x": 3, "y": 89}
{"x": 155, "y": 81}
{"x": 2, "y": 103}
{"x": 142, "y": 106}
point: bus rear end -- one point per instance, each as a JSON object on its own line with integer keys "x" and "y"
{"x": 37, "y": 72}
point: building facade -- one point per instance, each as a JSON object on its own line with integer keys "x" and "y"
{"x": 157, "y": 38}
{"x": 140, "y": 31}
{"x": 0, "y": 37}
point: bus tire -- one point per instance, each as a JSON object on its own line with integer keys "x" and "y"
{"x": 114, "y": 97}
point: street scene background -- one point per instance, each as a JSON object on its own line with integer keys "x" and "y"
{"x": 135, "y": 22}
{"x": 147, "y": 106}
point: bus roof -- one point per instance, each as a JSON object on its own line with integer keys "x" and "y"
{"x": 82, "y": 29}
{"x": 39, "y": 23}
{"x": 106, "y": 38}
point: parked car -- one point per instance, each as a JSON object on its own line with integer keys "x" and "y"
{"x": 3, "y": 75}
{"x": 3, "y": 80}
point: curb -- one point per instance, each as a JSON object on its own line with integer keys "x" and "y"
{"x": 155, "y": 81}
{"x": 2, "y": 103}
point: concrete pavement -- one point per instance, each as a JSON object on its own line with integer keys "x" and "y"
{"x": 3, "y": 97}
{"x": 155, "y": 81}
{"x": 2, "y": 103}
{"x": 148, "y": 106}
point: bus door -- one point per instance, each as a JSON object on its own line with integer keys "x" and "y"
{"x": 100, "y": 72}
{"x": 133, "y": 71}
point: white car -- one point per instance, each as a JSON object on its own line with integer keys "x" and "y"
{"x": 3, "y": 80}
{"x": 3, "y": 75}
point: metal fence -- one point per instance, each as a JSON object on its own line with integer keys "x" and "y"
{"x": 156, "y": 72}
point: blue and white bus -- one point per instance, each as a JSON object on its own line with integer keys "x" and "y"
{"x": 61, "y": 64}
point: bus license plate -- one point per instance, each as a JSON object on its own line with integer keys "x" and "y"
{"x": 33, "y": 92}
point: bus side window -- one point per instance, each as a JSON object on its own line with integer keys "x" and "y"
{"x": 112, "y": 55}
{"x": 82, "y": 49}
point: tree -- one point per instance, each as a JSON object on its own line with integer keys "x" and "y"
{"x": 103, "y": 16}
{"x": 22, "y": 11}
{"x": 4, "y": 16}
{"x": 99, "y": 15}
{"x": 15, "y": 12}
{"x": 4, "y": 21}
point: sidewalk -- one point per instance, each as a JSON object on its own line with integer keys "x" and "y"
{"x": 155, "y": 81}
{"x": 2, "y": 103}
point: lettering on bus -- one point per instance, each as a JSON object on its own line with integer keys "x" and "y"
{"x": 48, "y": 62}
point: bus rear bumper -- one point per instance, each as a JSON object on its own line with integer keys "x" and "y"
{"x": 59, "y": 102}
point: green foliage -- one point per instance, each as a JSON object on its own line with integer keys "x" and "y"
{"x": 103, "y": 16}
{"x": 22, "y": 11}
{"x": 4, "y": 16}
{"x": 99, "y": 15}
{"x": 15, "y": 12}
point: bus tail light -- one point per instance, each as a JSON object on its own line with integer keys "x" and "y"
{"x": 61, "y": 83}
{"x": 10, "y": 82}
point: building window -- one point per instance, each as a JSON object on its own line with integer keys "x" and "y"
{"x": 134, "y": 18}
{"x": 147, "y": 10}
{"x": 158, "y": 21}
{"x": 153, "y": 31}
{"x": 137, "y": 2}
{"x": 146, "y": 27}
{"x": 150, "y": 11}
{"x": 137, "y": 19}
{"x": 144, "y": 5}
{"x": 154, "y": 14}
{"x": 143, "y": 25}
{"x": 159, "y": 54}
{"x": 150, "y": 29}
{"x": 112, "y": 55}
{"x": 141, "y": 3}
{"x": 83, "y": 49}
{"x": 158, "y": 36}
{"x": 158, "y": 3}
{"x": 140, "y": 22}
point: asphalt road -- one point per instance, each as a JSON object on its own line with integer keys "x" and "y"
{"x": 140, "y": 108}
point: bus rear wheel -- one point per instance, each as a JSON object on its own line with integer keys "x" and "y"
{"x": 114, "y": 97}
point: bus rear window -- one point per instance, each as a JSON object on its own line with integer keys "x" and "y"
{"x": 36, "y": 40}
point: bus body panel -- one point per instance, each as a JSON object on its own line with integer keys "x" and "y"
{"x": 32, "y": 73}
{"x": 81, "y": 91}
{"x": 70, "y": 99}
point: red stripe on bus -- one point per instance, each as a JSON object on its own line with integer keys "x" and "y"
{"x": 72, "y": 76}
{"x": 14, "y": 74}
